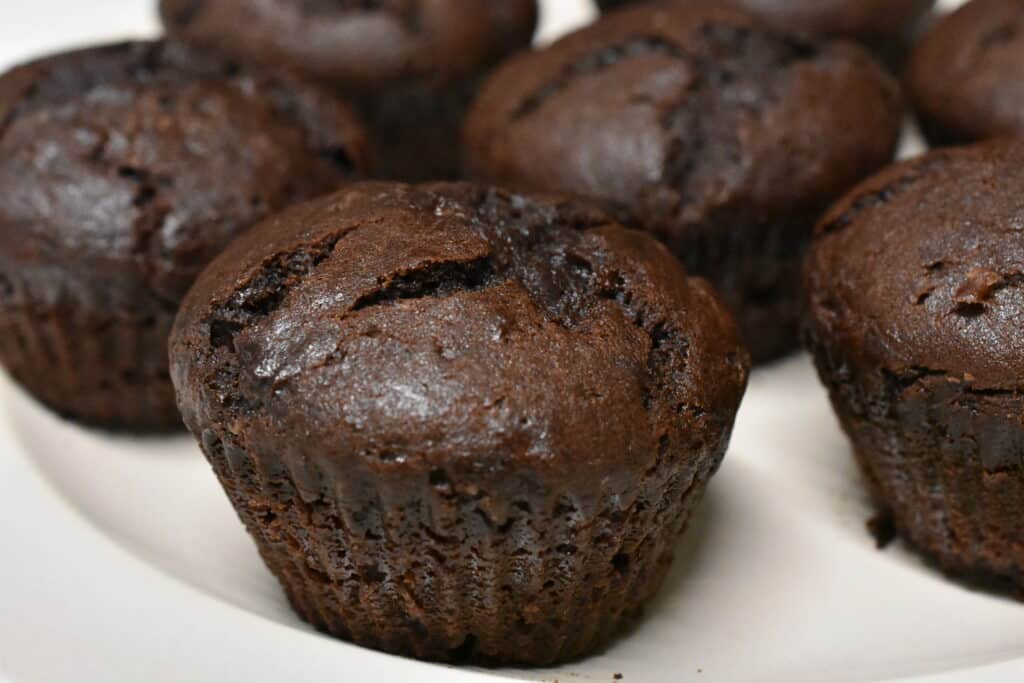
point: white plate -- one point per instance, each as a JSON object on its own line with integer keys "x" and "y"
{"x": 123, "y": 562}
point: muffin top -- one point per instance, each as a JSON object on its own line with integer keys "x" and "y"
{"x": 393, "y": 326}
{"x": 686, "y": 115}
{"x": 919, "y": 270}
{"x": 865, "y": 20}
{"x": 125, "y": 168}
{"x": 357, "y": 44}
{"x": 966, "y": 76}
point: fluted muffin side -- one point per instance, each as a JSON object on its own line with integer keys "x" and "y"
{"x": 461, "y": 424}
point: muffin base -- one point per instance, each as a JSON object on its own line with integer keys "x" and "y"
{"x": 938, "y": 134}
{"x": 758, "y": 273}
{"x": 966, "y": 563}
{"x": 416, "y": 129}
{"x": 943, "y": 460}
{"x": 443, "y": 571}
{"x": 109, "y": 373}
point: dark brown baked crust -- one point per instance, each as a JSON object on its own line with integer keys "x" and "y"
{"x": 722, "y": 137}
{"x": 965, "y": 77}
{"x": 410, "y": 67}
{"x": 123, "y": 170}
{"x": 460, "y": 424}
{"x": 915, "y": 308}
{"x": 883, "y": 25}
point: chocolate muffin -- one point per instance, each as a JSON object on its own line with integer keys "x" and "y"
{"x": 721, "y": 136}
{"x": 460, "y": 424}
{"x": 409, "y": 67}
{"x": 886, "y": 26}
{"x": 966, "y": 78}
{"x": 916, "y": 301}
{"x": 123, "y": 170}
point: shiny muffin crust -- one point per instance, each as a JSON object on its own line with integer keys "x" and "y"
{"x": 915, "y": 308}
{"x": 885, "y": 26}
{"x": 410, "y": 67}
{"x": 719, "y": 135}
{"x": 460, "y": 424}
{"x": 965, "y": 77}
{"x": 123, "y": 170}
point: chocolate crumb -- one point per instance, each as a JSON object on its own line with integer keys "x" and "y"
{"x": 882, "y": 528}
{"x": 977, "y": 287}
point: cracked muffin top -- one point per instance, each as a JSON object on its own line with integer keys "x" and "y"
{"x": 399, "y": 326}
{"x": 358, "y": 43}
{"x": 966, "y": 77}
{"x": 920, "y": 269}
{"x": 680, "y": 115}
{"x": 125, "y": 168}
